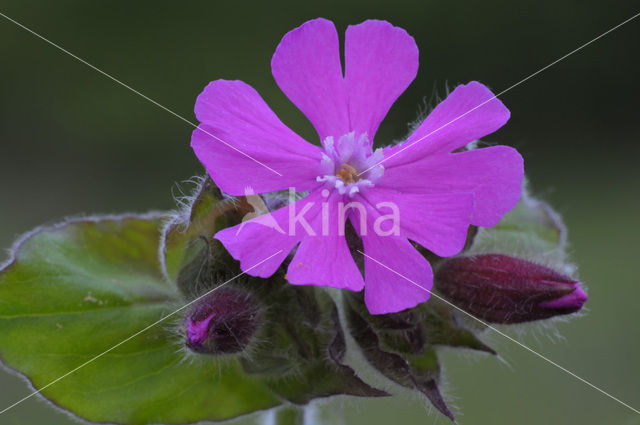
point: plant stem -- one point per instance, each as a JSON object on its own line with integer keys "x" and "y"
{"x": 286, "y": 415}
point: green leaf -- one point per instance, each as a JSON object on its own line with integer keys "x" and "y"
{"x": 531, "y": 228}
{"x": 443, "y": 327}
{"x": 396, "y": 345}
{"x": 75, "y": 290}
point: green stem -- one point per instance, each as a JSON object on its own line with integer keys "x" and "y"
{"x": 315, "y": 413}
{"x": 289, "y": 415}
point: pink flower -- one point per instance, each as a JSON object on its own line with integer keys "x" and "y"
{"x": 429, "y": 191}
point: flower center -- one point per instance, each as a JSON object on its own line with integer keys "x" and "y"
{"x": 350, "y": 165}
{"x": 348, "y": 173}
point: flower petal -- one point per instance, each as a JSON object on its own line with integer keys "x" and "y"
{"x": 380, "y": 62}
{"x": 469, "y": 113}
{"x": 253, "y": 241}
{"x": 242, "y": 143}
{"x": 306, "y": 66}
{"x": 437, "y": 221}
{"x": 493, "y": 174}
{"x": 325, "y": 259}
{"x": 397, "y": 276}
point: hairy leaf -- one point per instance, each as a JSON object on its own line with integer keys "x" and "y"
{"x": 74, "y": 291}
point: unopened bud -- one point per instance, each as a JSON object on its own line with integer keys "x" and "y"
{"x": 502, "y": 289}
{"x": 222, "y": 322}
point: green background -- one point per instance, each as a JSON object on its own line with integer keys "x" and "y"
{"x": 74, "y": 141}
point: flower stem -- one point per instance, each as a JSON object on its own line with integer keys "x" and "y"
{"x": 285, "y": 415}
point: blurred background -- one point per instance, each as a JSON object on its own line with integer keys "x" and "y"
{"x": 73, "y": 141}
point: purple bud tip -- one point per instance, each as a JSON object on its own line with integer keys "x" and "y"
{"x": 222, "y": 322}
{"x": 503, "y": 289}
{"x": 571, "y": 302}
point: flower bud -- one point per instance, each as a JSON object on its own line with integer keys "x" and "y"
{"x": 502, "y": 289}
{"x": 222, "y": 322}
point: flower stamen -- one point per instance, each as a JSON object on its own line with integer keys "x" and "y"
{"x": 348, "y": 173}
{"x": 342, "y": 161}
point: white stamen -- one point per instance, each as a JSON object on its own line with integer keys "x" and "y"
{"x": 342, "y": 161}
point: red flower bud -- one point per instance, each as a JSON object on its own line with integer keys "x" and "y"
{"x": 502, "y": 289}
{"x": 222, "y": 322}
